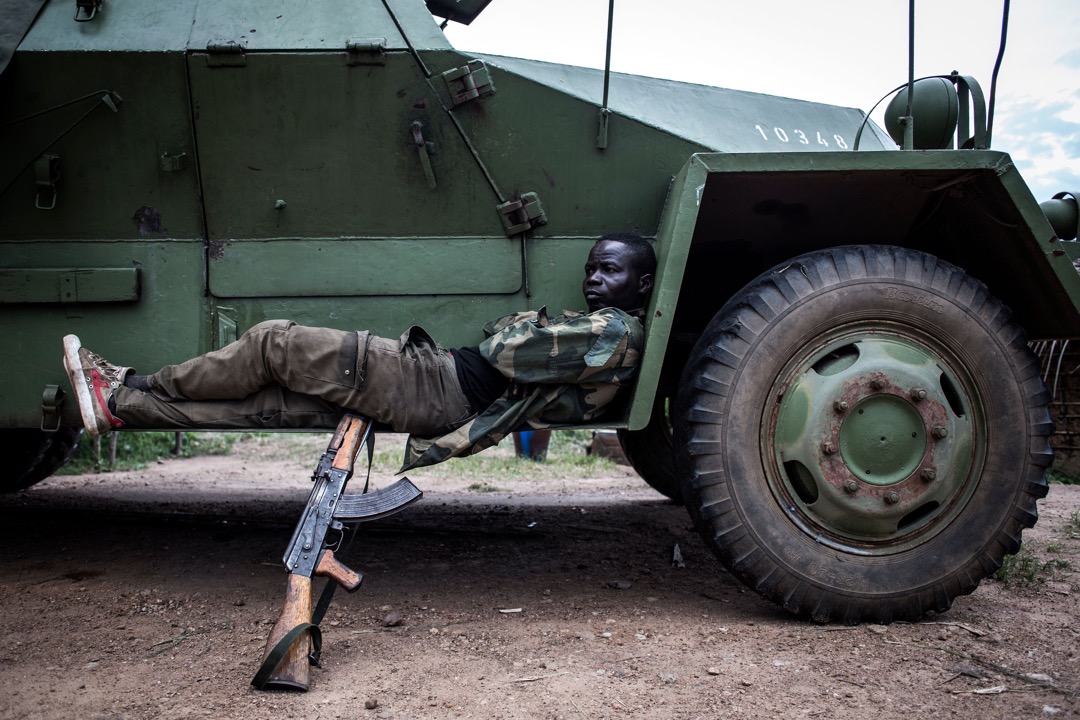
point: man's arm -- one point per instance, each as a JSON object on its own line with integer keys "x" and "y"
{"x": 603, "y": 346}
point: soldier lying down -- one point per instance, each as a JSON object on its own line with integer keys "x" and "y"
{"x": 530, "y": 371}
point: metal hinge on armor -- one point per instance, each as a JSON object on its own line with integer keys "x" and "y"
{"x": 225, "y": 53}
{"x": 469, "y": 82}
{"x": 365, "y": 51}
{"x": 522, "y": 214}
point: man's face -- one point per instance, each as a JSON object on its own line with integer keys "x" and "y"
{"x": 611, "y": 280}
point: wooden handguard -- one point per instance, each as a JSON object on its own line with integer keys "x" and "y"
{"x": 294, "y": 669}
{"x": 347, "y": 439}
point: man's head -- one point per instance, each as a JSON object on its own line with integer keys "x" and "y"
{"x": 619, "y": 272}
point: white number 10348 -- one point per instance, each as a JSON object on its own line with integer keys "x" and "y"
{"x": 800, "y": 137}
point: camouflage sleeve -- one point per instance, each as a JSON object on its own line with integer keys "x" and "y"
{"x": 597, "y": 347}
{"x": 493, "y": 327}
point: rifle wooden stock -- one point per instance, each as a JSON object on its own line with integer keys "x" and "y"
{"x": 294, "y": 668}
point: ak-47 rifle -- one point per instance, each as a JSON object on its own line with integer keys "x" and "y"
{"x": 295, "y": 640}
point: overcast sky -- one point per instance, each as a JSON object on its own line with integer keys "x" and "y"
{"x": 843, "y": 52}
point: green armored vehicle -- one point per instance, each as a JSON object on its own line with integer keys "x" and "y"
{"x": 836, "y": 378}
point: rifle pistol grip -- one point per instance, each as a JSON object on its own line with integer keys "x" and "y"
{"x": 330, "y": 567}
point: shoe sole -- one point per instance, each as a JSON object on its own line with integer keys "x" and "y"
{"x": 75, "y": 374}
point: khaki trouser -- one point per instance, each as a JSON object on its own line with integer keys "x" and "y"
{"x": 282, "y": 375}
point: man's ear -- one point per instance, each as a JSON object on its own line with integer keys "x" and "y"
{"x": 645, "y": 284}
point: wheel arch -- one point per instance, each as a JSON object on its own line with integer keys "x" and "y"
{"x": 730, "y": 217}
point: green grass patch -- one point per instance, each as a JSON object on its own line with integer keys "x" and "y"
{"x": 1072, "y": 527}
{"x": 567, "y": 459}
{"x": 1025, "y": 570}
{"x": 136, "y": 450}
{"x": 484, "y": 487}
{"x": 1061, "y": 477}
{"x": 567, "y": 456}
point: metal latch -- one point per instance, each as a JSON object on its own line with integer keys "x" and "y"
{"x": 365, "y": 51}
{"x": 469, "y": 82}
{"x": 522, "y": 214}
{"x": 172, "y": 161}
{"x": 85, "y": 10}
{"x": 225, "y": 53}
{"x": 602, "y": 129}
{"x": 424, "y": 149}
{"x": 46, "y": 174}
{"x": 51, "y": 400}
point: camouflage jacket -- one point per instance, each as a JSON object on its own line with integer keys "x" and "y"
{"x": 562, "y": 370}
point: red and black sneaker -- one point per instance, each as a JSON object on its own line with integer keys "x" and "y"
{"x": 94, "y": 379}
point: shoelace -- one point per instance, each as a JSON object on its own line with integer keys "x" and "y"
{"x": 114, "y": 374}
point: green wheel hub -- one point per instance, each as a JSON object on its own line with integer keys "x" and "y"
{"x": 873, "y": 439}
{"x": 882, "y": 440}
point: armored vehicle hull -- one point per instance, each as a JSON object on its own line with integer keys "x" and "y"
{"x": 175, "y": 173}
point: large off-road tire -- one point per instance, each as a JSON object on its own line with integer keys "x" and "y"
{"x": 651, "y": 452}
{"x": 862, "y": 434}
{"x": 30, "y": 456}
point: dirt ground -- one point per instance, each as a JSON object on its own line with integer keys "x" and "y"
{"x": 149, "y": 594}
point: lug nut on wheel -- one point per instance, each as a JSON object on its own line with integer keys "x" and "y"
{"x": 892, "y": 497}
{"x": 918, "y": 394}
{"x": 828, "y": 448}
{"x": 929, "y": 475}
{"x": 940, "y": 432}
{"x": 851, "y": 486}
{"x": 840, "y": 406}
